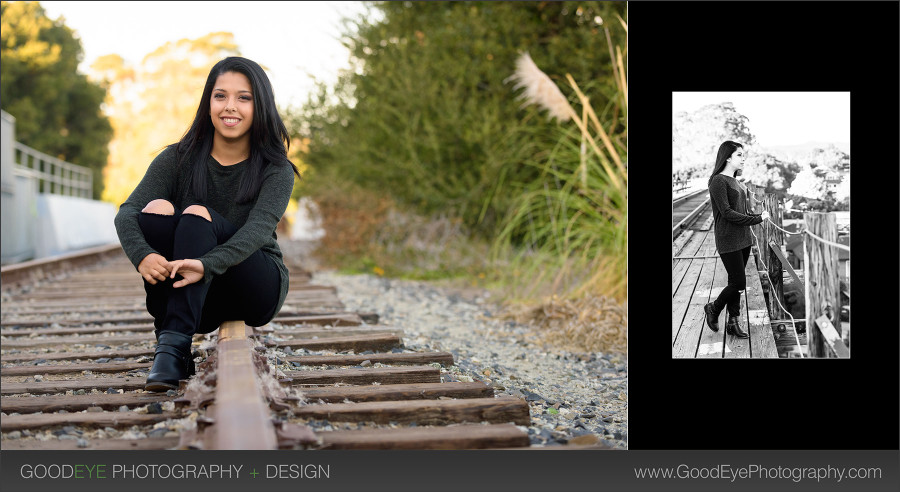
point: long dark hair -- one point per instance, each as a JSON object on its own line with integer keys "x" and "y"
{"x": 725, "y": 150}
{"x": 269, "y": 139}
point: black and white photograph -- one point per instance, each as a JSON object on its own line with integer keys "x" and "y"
{"x": 760, "y": 224}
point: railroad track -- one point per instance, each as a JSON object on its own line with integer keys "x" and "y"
{"x": 78, "y": 344}
{"x": 691, "y": 211}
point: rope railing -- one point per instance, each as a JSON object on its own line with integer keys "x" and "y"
{"x": 766, "y": 272}
{"x": 766, "y": 269}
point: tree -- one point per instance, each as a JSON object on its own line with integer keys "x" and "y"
{"x": 153, "y": 104}
{"x": 57, "y": 109}
{"x": 426, "y": 116}
{"x": 696, "y": 136}
{"x": 808, "y": 185}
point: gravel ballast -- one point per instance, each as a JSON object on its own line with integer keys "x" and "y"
{"x": 575, "y": 398}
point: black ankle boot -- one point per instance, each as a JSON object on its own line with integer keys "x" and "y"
{"x": 733, "y": 328}
{"x": 171, "y": 363}
{"x": 712, "y": 317}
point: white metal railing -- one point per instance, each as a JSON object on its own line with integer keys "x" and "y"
{"x": 54, "y": 175}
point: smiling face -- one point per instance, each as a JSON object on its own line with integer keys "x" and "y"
{"x": 231, "y": 107}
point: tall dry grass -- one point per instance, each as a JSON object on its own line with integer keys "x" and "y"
{"x": 566, "y": 240}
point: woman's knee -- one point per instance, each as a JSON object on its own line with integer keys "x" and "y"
{"x": 159, "y": 207}
{"x": 198, "y": 210}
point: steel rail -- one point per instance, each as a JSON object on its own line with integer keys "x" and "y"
{"x": 678, "y": 201}
{"x": 691, "y": 217}
{"x": 238, "y": 388}
{"x": 20, "y": 274}
{"x": 240, "y": 412}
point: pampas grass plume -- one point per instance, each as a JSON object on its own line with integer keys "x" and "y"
{"x": 539, "y": 89}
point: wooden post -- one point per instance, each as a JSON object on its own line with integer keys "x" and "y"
{"x": 774, "y": 239}
{"x": 820, "y": 271}
{"x": 754, "y": 194}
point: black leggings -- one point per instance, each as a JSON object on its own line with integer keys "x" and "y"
{"x": 248, "y": 291}
{"x": 734, "y": 262}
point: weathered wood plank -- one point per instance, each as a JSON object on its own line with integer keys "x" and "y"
{"x": 463, "y": 436}
{"x": 111, "y": 353}
{"x": 127, "y": 383}
{"x": 73, "y": 368}
{"x": 762, "y": 341}
{"x": 141, "y": 319}
{"x": 85, "y": 340}
{"x": 680, "y": 267}
{"x": 9, "y": 423}
{"x": 291, "y": 307}
{"x": 820, "y": 270}
{"x": 712, "y": 344}
{"x": 77, "y": 403}
{"x": 688, "y": 321}
{"x": 739, "y": 348}
{"x": 384, "y": 375}
{"x": 423, "y": 412}
{"x": 338, "y": 319}
{"x": 316, "y": 331}
{"x": 84, "y": 330}
{"x": 832, "y": 338}
{"x": 357, "y": 342}
{"x": 94, "y": 444}
{"x": 444, "y": 358}
{"x": 388, "y": 392}
{"x": 680, "y": 241}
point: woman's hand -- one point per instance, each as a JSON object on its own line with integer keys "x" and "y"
{"x": 154, "y": 267}
{"x": 765, "y": 215}
{"x": 190, "y": 270}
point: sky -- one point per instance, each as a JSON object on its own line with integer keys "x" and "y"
{"x": 782, "y": 118}
{"x": 293, "y": 40}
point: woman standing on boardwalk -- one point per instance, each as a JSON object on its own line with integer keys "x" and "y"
{"x": 200, "y": 226}
{"x": 732, "y": 233}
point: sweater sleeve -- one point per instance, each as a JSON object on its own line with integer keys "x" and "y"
{"x": 718, "y": 194}
{"x": 270, "y": 205}
{"x": 158, "y": 182}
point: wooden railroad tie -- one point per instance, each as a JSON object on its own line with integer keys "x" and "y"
{"x": 395, "y": 397}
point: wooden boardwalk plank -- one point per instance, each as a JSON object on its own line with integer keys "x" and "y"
{"x": 384, "y": 375}
{"x": 423, "y": 412}
{"x": 10, "y": 423}
{"x": 680, "y": 267}
{"x": 739, "y": 348}
{"x": 462, "y": 436}
{"x": 388, "y": 392}
{"x": 77, "y": 403}
{"x": 762, "y": 340}
{"x": 444, "y": 358}
{"x": 712, "y": 344}
{"x": 688, "y": 319}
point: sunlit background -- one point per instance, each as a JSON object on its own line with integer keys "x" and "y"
{"x": 478, "y": 143}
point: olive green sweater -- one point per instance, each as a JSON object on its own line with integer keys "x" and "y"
{"x": 255, "y": 220}
{"x": 730, "y": 216}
